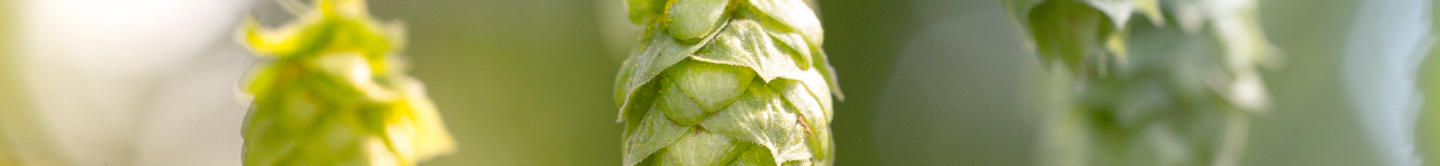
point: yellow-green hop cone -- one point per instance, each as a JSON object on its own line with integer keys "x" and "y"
{"x": 332, "y": 92}
{"x": 720, "y": 82}
{"x": 1174, "y": 88}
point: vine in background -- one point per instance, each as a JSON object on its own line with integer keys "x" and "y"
{"x": 1175, "y": 88}
{"x": 1428, "y": 124}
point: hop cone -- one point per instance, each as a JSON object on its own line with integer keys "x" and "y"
{"x": 720, "y": 82}
{"x": 332, "y": 93}
{"x": 1174, "y": 88}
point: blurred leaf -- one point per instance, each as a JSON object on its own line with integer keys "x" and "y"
{"x": 332, "y": 93}
{"x": 1067, "y": 31}
{"x": 1118, "y": 11}
{"x": 642, "y": 11}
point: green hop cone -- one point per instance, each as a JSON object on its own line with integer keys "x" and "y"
{"x": 332, "y": 92}
{"x": 1174, "y": 88}
{"x": 720, "y": 82}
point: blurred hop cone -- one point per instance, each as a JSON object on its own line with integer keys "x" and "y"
{"x": 1174, "y": 86}
{"x": 721, "y": 82}
{"x": 332, "y": 92}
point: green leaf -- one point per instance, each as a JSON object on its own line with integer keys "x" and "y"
{"x": 655, "y": 132}
{"x": 793, "y": 14}
{"x": 298, "y": 129}
{"x": 797, "y": 163}
{"x": 1018, "y": 8}
{"x": 702, "y": 148}
{"x": 661, "y": 52}
{"x": 796, "y": 43}
{"x": 822, "y": 145}
{"x": 762, "y": 117}
{"x": 713, "y": 86}
{"x": 753, "y": 155}
{"x": 263, "y": 77}
{"x": 421, "y": 120}
{"x": 744, "y": 43}
{"x": 688, "y": 20}
{"x": 349, "y": 76}
{"x": 643, "y": 11}
{"x": 827, "y": 72}
{"x": 622, "y": 79}
{"x": 1067, "y": 31}
{"x": 820, "y": 90}
{"x": 678, "y": 106}
{"x": 1018, "y": 12}
{"x": 1119, "y": 11}
{"x": 805, "y": 102}
{"x": 816, "y": 116}
{"x": 1151, "y": 9}
{"x": 289, "y": 40}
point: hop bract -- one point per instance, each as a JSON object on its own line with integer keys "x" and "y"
{"x": 720, "y": 82}
{"x": 332, "y": 92}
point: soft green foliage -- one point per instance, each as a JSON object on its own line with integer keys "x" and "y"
{"x": 332, "y": 92}
{"x": 1428, "y": 129}
{"x": 718, "y": 82}
{"x": 1173, "y": 89}
{"x": 11, "y": 105}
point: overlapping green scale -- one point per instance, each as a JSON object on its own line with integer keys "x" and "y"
{"x": 1174, "y": 88}
{"x": 331, "y": 92}
{"x": 722, "y": 82}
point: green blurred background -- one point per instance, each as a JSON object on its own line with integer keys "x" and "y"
{"x": 927, "y": 82}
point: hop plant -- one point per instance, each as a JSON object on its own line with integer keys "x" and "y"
{"x": 332, "y": 92}
{"x": 721, "y": 82}
{"x": 1175, "y": 88}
